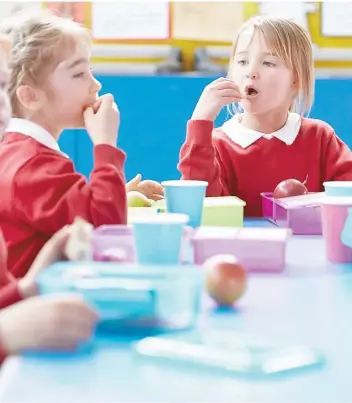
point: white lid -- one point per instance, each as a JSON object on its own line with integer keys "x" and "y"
{"x": 338, "y": 201}
{"x": 184, "y": 183}
{"x": 262, "y": 234}
{"x": 223, "y": 201}
{"x": 307, "y": 200}
{"x": 338, "y": 184}
{"x": 162, "y": 218}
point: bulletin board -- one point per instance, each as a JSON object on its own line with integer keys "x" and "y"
{"x": 329, "y": 25}
{"x": 123, "y": 21}
{"x": 187, "y": 25}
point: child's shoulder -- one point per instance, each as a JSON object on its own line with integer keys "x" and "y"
{"x": 318, "y": 127}
{"x": 25, "y": 145}
{"x": 27, "y": 154}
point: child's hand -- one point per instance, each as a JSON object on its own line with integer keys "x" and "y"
{"x": 102, "y": 121}
{"x": 67, "y": 243}
{"x": 215, "y": 96}
{"x": 79, "y": 243}
{"x": 45, "y": 323}
{"x": 151, "y": 189}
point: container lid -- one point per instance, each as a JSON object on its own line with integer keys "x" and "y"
{"x": 184, "y": 183}
{"x": 67, "y": 274}
{"x": 307, "y": 200}
{"x": 247, "y": 233}
{"x": 223, "y": 201}
{"x": 113, "y": 230}
{"x": 338, "y": 201}
{"x": 164, "y": 218}
{"x": 338, "y": 184}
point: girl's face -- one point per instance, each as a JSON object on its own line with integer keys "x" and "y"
{"x": 262, "y": 76}
{"x": 67, "y": 92}
{"x": 73, "y": 88}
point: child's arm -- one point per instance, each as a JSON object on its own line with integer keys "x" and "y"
{"x": 49, "y": 193}
{"x": 58, "y": 248}
{"x": 201, "y": 160}
{"x": 337, "y": 159}
{"x": 10, "y": 294}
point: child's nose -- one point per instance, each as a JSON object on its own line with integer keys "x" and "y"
{"x": 252, "y": 72}
{"x": 96, "y": 87}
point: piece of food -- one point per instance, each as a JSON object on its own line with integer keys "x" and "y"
{"x": 137, "y": 199}
{"x": 79, "y": 244}
{"x": 290, "y": 187}
{"x": 226, "y": 279}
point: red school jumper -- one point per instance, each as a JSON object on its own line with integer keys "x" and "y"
{"x": 9, "y": 293}
{"x": 41, "y": 192}
{"x": 244, "y": 163}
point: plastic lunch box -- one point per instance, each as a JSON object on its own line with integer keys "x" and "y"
{"x": 109, "y": 239}
{"x": 164, "y": 298}
{"x": 225, "y": 211}
{"x": 302, "y": 214}
{"x": 258, "y": 249}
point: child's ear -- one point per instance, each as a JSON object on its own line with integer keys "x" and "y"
{"x": 295, "y": 83}
{"x": 29, "y": 97}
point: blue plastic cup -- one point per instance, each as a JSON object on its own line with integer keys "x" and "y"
{"x": 338, "y": 188}
{"x": 158, "y": 238}
{"x": 186, "y": 197}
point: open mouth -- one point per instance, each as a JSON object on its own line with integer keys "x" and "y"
{"x": 251, "y": 91}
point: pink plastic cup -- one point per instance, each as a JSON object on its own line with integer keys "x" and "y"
{"x": 334, "y": 212}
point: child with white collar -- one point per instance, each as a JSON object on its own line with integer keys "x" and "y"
{"x": 51, "y": 88}
{"x": 28, "y": 321}
{"x": 271, "y": 77}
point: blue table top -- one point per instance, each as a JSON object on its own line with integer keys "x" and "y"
{"x": 309, "y": 303}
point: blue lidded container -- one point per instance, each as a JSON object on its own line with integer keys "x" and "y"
{"x": 131, "y": 296}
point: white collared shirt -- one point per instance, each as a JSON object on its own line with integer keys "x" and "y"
{"x": 245, "y": 137}
{"x": 31, "y": 129}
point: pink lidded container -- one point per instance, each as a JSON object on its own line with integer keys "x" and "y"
{"x": 116, "y": 242}
{"x": 302, "y": 214}
{"x": 257, "y": 249}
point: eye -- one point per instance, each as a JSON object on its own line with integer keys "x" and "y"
{"x": 269, "y": 64}
{"x": 242, "y": 62}
{"x": 79, "y": 75}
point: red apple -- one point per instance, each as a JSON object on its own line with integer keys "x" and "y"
{"x": 226, "y": 279}
{"x": 290, "y": 187}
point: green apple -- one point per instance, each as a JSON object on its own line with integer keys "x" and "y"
{"x": 137, "y": 199}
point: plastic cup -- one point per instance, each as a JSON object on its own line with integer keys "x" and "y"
{"x": 186, "y": 197}
{"x": 334, "y": 211}
{"x": 338, "y": 188}
{"x": 158, "y": 239}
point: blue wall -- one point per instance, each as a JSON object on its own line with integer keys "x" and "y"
{"x": 154, "y": 112}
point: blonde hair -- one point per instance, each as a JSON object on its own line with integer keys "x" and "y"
{"x": 40, "y": 42}
{"x": 291, "y": 43}
{"x": 5, "y": 45}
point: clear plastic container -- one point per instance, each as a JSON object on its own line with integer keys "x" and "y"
{"x": 131, "y": 296}
{"x": 229, "y": 353}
